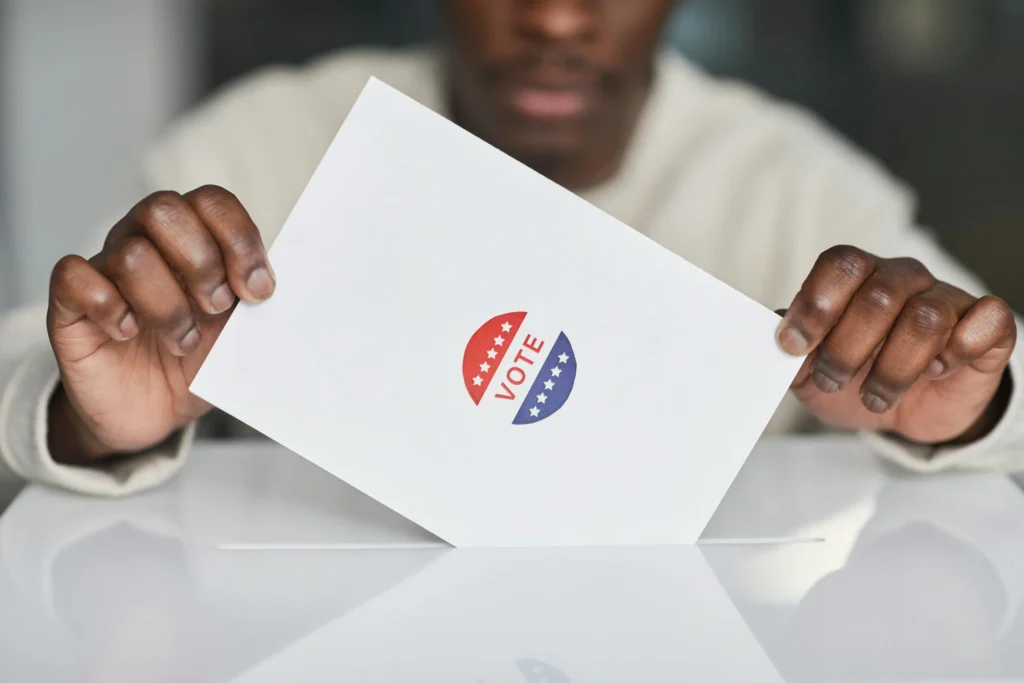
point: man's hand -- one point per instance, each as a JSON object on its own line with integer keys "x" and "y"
{"x": 132, "y": 325}
{"x": 893, "y": 349}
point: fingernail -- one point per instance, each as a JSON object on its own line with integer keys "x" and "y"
{"x": 824, "y": 382}
{"x": 128, "y": 326}
{"x": 936, "y": 368}
{"x": 190, "y": 342}
{"x": 793, "y": 341}
{"x": 222, "y": 298}
{"x": 875, "y": 403}
{"x": 260, "y": 283}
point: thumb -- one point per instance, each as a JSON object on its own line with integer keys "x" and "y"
{"x": 802, "y": 385}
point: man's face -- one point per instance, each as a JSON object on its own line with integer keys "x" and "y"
{"x": 551, "y": 80}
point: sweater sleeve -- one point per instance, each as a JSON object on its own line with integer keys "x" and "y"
{"x": 28, "y": 378}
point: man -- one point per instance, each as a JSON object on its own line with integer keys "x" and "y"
{"x": 757, "y": 194}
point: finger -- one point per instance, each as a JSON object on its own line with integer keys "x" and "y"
{"x": 834, "y": 279}
{"x": 78, "y": 291}
{"x": 803, "y": 375}
{"x": 152, "y": 290}
{"x": 867, "y": 321}
{"x": 983, "y": 338}
{"x": 842, "y": 409}
{"x": 920, "y": 333}
{"x": 172, "y": 225}
{"x": 241, "y": 245}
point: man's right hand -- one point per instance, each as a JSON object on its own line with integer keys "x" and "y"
{"x": 132, "y": 325}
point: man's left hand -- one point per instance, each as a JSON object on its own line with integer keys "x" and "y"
{"x": 891, "y": 348}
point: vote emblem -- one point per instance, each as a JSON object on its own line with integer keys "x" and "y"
{"x": 519, "y": 368}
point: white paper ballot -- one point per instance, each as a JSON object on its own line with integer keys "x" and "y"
{"x": 491, "y": 356}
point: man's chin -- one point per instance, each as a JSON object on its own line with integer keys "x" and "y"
{"x": 545, "y": 150}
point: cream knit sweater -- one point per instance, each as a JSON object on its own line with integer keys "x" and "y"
{"x": 748, "y": 189}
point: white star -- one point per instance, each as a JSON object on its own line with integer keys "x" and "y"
{"x": 563, "y": 358}
{"x": 499, "y": 340}
{"x": 549, "y": 385}
{"x": 485, "y": 367}
{"x": 557, "y": 372}
{"x": 506, "y": 327}
{"x": 534, "y": 411}
{"x": 478, "y": 380}
{"x": 542, "y": 398}
{"x": 492, "y": 354}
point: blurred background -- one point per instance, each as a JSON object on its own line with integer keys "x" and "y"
{"x": 933, "y": 88}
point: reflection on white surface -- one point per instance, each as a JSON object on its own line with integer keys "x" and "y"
{"x": 914, "y": 603}
{"x": 603, "y": 615}
{"x": 918, "y": 579}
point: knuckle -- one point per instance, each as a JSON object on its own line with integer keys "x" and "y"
{"x": 212, "y": 201}
{"x": 991, "y": 321}
{"x": 211, "y": 195}
{"x": 245, "y": 247}
{"x": 175, "y": 319}
{"x": 910, "y": 265}
{"x": 967, "y": 341}
{"x": 833, "y": 366}
{"x": 997, "y": 312}
{"x": 118, "y": 232}
{"x": 131, "y": 256}
{"x": 885, "y": 384}
{"x": 204, "y": 264}
{"x": 962, "y": 346}
{"x": 930, "y": 316}
{"x": 883, "y": 298}
{"x": 65, "y": 269}
{"x": 158, "y": 209}
{"x": 180, "y": 320}
{"x": 105, "y": 305}
{"x": 814, "y": 310}
{"x": 850, "y": 262}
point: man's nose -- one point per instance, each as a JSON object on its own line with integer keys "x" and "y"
{"x": 558, "y": 20}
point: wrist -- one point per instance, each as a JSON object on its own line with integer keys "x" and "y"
{"x": 69, "y": 439}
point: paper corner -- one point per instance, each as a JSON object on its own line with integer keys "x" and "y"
{"x": 376, "y": 85}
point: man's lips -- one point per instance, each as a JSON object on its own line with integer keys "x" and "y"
{"x": 549, "y": 103}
